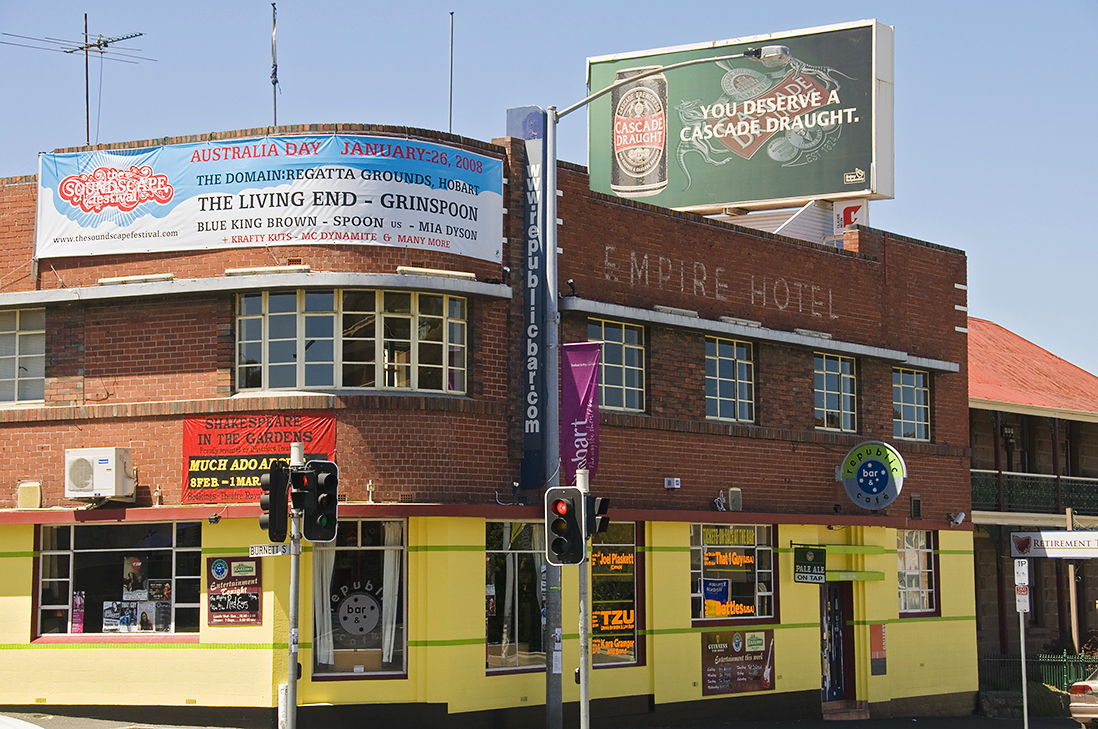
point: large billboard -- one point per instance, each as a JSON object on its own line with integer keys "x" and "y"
{"x": 265, "y": 191}
{"x": 741, "y": 133}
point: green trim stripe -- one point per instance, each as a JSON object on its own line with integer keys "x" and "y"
{"x": 852, "y": 576}
{"x": 18, "y": 555}
{"x": 931, "y": 619}
{"x": 663, "y": 549}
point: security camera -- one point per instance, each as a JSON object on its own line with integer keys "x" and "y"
{"x": 958, "y": 519}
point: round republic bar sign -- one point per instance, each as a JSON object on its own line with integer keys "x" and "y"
{"x": 873, "y": 475}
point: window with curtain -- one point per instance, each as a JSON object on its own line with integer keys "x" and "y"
{"x": 359, "y": 600}
{"x": 514, "y": 590}
{"x": 915, "y": 571}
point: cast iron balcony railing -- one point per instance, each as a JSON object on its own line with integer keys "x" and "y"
{"x": 1033, "y": 493}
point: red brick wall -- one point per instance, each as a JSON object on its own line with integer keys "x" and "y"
{"x": 883, "y": 291}
{"x": 127, "y": 372}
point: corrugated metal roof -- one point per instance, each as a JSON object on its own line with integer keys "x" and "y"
{"x": 1005, "y": 368}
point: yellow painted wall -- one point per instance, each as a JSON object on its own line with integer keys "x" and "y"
{"x": 444, "y": 620}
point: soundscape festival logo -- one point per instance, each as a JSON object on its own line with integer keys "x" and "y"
{"x": 795, "y": 113}
{"x": 112, "y": 188}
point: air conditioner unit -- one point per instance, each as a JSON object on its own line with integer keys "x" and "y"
{"x": 99, "y": 473}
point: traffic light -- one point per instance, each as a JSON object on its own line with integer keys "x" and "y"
{"x": 597, "y": 520}
{"x": 273, "y": 501}
{"x": 322, "y": 503}
{"x": 302, "y": 485}
{"x": 565, "y": 538}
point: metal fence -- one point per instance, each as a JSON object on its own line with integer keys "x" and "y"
{"x": 1004, "y": 673}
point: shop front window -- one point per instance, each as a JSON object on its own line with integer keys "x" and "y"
{"x": 514, "y": 590}
{"x": 120, "y": 578}
{"x": 358, "y": 600}
{"x": 614, "y": 595}
{"x": 732, "y": 571}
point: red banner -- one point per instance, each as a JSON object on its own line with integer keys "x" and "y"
{"x": 224, "y": 455}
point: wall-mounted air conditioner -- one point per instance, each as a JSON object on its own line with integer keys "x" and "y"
{"x": 99, "y": 473}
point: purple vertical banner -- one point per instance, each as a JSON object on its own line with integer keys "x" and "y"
{"x": 579, "y": 408}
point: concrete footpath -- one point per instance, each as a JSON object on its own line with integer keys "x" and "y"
{"x": 51, "y": 721}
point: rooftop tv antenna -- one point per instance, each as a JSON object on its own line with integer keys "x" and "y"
{"x": 104, "y": 46}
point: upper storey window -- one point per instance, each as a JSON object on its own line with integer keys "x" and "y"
{"x": 305, "y": 339}
{"x": 22, "y": 355}
{"x": 621, "y": 367}
{"x": 836, "y": 393}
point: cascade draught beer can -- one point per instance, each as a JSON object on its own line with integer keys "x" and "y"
{"x": 639, "y": 167}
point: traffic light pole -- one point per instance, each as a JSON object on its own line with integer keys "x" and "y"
{"x": 584, "y": 617}
{"x": 297, "y": 459}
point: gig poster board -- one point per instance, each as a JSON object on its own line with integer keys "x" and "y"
{"x": 738, "y": 133}
{"x": 276, "y": 190}
{"x": 224, "y": 455}
{"x": 735, "y": 661}
{"x": 235, "y": 590}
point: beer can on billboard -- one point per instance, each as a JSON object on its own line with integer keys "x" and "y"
{"x": 639, "y": 167}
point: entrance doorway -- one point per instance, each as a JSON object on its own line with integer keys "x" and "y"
{"x": 837, "y": 640}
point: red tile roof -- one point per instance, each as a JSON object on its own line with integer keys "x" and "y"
{"x": 1005, "y": 368}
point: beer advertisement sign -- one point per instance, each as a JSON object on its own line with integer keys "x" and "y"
{"x": 747, "y": 132}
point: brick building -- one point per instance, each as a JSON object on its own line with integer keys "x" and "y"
{"x": 1034, "y": 425}
{"x": 745, "y": 364}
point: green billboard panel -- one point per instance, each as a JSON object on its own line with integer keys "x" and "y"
{"x": 747, "y": 132}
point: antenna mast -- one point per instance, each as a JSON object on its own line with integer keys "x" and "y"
{"x": 274, "y": 62}
{"x": 100, "y": 45}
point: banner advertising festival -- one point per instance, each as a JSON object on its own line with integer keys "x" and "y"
{"x": 743, "y": 133}
{"x": 339, "y": 189}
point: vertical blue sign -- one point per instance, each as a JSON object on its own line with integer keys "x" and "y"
{"x": 528, "y": 123}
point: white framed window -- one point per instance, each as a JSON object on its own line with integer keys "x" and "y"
{"x": 621, "y": 367}
{"x": 370, "y": 339}
{"x": 729, "y": 380}
{"x": 22, "y": 355}
{"x": 836, "y": 393}
{"x": 359, "y": 600}
{"x": 120, "y": 578}
{"x": 910, "y": 404}
{"x": 916, "y": 573}
{"x": 514, "y": 595}
{"x": 731, "y": 571}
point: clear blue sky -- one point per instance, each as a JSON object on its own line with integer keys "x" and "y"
{"x": 990, "y": 99}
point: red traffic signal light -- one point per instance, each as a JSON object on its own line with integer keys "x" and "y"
{"x": 273, "y": 501}
{"x": 565, "y": 537}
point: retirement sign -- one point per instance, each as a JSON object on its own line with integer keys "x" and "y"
{"x": 739, "y": 132}
{"x": 358, "y": 190}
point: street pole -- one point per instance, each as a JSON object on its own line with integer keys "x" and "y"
{"x": 582, "y": 484}
{"x": 554, "y": 696}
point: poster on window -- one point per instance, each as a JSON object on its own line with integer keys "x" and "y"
{"x": 131, "y": 616}
{"x": 613, "y": 607}
{"x": 234, "y": 590}
{"x": 134, "y": 575}
{"x": 224, "y": 455}
{"x": 735, "y": 661}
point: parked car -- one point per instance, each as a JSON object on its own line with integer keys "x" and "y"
{"x": 1084, "y": 701}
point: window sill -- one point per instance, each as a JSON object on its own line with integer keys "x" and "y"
{"x": 515, "y": 670}
{"x": 376, "y": 676}
{"x": 115, "y": 638}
